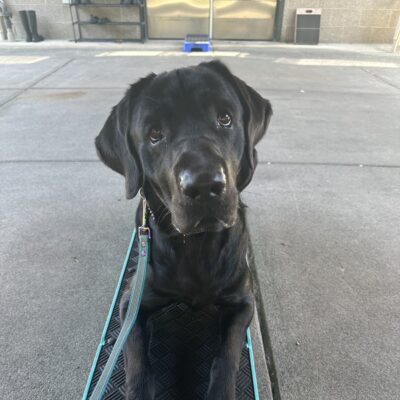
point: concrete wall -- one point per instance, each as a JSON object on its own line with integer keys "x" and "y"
{"x": 347, "y": 21}
{"x": 53, "y": 17}
{"x": 54, "y": 20}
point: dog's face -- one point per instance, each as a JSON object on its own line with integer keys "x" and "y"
{"x": 187, "y": 137}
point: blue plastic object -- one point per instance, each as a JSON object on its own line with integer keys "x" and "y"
{"x": 197, "y": 43}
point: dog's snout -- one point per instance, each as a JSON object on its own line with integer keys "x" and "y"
{"x": 201, "y": 185}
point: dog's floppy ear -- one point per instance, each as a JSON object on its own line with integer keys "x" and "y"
{"x": 257, "y": 114}
{"x": 112, "y": 142}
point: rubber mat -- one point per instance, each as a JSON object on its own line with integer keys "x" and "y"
{"x": 182, "y": 345}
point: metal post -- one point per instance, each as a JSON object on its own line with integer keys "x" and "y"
{"x": 78, "y": 21}
{"x": 72, "y": 21}
{"x": 396, "y": 37}
{"x": 7, "y": 28}
{"x": 280, "y": 7}
{"x": 210, "y": 24}
{"x": 146, "y": 31}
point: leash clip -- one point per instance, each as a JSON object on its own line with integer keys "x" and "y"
{"x": 144, "y": 229}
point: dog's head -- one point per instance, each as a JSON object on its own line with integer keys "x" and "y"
{"x": 187, "y": 137}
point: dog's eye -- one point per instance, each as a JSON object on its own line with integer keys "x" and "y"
{"x": 224, "y": 120}
{"x": 155, "y": 135}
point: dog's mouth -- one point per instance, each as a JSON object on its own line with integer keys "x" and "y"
{"x": 213, "y": 216}
{"x": 206, "y": 224}
{"x": 210, "y": 224}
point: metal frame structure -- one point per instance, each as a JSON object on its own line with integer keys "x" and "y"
{"x": 77, "y": 23}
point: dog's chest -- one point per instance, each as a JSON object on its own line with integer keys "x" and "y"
{"x": 194, "y": 281}
{"x": 196, "y": 275}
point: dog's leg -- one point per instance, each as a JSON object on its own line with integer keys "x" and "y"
{"x": 139, "y": 378}
{"x": 234, "y": 322}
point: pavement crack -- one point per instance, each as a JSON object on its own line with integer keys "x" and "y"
{"x": 329, "y": 164}
{"x": 48, "y": 161}
{"x": 303, "y": 163}
{"x": 34, "y": 83}
{"x": 380, "y": 78}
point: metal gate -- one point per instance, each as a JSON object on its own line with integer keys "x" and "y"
{"x": 229, "y": 19}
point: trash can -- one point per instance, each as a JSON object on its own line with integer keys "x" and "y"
{"x": 307, "y": 25}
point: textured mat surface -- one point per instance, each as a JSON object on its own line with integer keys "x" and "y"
{"x": 183, "y": 343}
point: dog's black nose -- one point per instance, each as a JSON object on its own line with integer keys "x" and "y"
{"x": 202, "y": 185}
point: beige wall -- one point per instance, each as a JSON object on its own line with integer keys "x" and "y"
{"x": 347, "y": 21}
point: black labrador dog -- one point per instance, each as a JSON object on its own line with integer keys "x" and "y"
{"x": 187, "y": 139}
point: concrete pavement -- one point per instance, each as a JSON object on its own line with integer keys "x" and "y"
{"x": 323, "y": 207}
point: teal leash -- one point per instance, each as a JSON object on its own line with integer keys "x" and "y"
{"x": 137, "y": 286}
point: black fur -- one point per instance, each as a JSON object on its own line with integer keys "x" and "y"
{"x": 199, "y": 247}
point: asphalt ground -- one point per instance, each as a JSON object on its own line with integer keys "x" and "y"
{"x": 323, "y": 210}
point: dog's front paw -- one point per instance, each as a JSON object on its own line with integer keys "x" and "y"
{"x": 222, "y": 381}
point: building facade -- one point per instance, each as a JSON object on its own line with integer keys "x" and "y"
{"x": 347, "y": 21}
{"x": 342, "y": 21}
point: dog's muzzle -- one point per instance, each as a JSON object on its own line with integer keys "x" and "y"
{"x": 204, "y": 202}
{"x": 202, "y": 186}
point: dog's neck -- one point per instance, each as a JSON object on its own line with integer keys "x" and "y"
{"x": 198, "y": 259}
{"x": 162, "y": 227}
{"x": 159, "y": 213}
